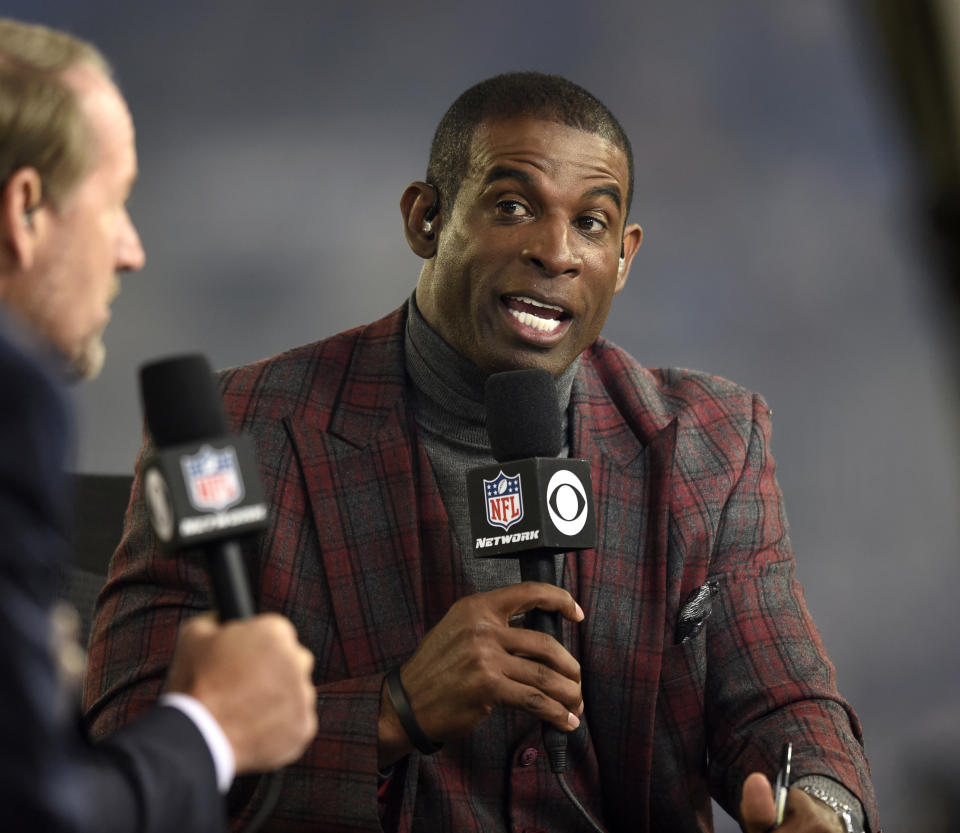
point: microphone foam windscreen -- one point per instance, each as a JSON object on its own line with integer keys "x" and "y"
{"x": 523, "y": 418}
{"x": 181, "y": 403}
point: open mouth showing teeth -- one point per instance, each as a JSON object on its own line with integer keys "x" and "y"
{"x": 531, "y": 313}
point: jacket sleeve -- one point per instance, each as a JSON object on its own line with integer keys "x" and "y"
{"x": 769, "y": 679}
{"x": 158, "y": 767}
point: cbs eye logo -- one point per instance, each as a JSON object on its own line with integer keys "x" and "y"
{"x": 567, "y": 502}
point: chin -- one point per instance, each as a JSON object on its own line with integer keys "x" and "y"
{"x": 87, "y": 362}
{"x": 527, "y": 360}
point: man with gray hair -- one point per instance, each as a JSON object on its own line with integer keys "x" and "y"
{"x": 239, "y": 697}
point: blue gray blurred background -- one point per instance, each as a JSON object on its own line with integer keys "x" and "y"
{"x": 782, "y": 249}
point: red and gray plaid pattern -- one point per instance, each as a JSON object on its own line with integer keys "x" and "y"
{"x": 361, "y": 557}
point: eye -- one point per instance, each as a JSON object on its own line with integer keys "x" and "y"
{"x": 512, "y": 208}
{"x": 591, "y": 224}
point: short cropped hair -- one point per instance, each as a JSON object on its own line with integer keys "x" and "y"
{"x": 548, "y": 97}
{"x": 41, "y": 124}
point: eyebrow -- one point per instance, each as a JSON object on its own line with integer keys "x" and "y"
{"x": 610, "y": 191}
{"x": 506, "y": 172}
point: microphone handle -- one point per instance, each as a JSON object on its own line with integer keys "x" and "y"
{"x": 228, "y": 580}
{"x": 539, "y": 565}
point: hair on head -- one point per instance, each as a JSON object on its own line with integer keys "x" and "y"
{"x": 537, "y": 94}
{"x": 41, "y": 124}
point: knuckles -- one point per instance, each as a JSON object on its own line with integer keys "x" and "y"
{"x": 481, "y": 631}
{"x": 535, "y": 702}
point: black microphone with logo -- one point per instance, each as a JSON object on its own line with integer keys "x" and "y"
{"x": 531, "y": 504}
{"x": 201, "y": 486}
{"x": 202, "y": 489}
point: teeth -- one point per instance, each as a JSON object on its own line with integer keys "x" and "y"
{"x": 544, "y": 325}
{"x": 536, "y": 303}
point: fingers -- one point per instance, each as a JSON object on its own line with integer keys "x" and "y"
{"x": 519, "y": 598}
{"x": 544, "y": 675}
{"x": 307, "y": 661}
{"x": 536, "y": 688}
{"x": 472, "y": 662}
{"x": 541, "y": 655}
{"x": 254, "y": 677}
{"x": 198, "y": 627}
{"x": 758, "y": 812}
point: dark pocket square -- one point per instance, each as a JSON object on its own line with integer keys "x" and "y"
{"x": 695, "y": 611}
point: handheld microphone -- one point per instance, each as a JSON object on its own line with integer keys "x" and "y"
{"x": 531, "y": 504}
{"x": 201, "y": 486}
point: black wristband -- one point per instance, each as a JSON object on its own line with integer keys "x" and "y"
{"x": 401, "y": 703}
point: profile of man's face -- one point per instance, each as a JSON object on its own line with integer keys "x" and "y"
{"x": 528, "y": 257}
{"x": 87, "y": 238}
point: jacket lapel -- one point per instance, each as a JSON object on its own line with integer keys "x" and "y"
{"x": 622, "y": 585}
{"x": 362, "y": 469}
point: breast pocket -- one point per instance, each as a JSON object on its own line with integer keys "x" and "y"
{"x": 683, "y": 675}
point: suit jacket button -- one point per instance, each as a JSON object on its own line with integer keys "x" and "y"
{"x": 528, "y": 756}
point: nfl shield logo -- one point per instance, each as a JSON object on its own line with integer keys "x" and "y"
{"x": 504, "y": 501}
{"x": 213, "y": 479}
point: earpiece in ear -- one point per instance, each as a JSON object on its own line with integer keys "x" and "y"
{"x": 28, "y": 213}
{"x": 622, "y": 257}
{"x": 431, "y": 212}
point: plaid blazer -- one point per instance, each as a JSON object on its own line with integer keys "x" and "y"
{"x": 686, "y": 693}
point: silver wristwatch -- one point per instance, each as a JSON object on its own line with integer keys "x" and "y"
{"x": 842, "y": 810}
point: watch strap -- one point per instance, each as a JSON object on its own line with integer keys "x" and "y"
{"x": 844, "y": 811}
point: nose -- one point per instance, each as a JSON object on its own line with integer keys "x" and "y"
{"x": 130, "y": 254}
{"x": 551, "y": 248}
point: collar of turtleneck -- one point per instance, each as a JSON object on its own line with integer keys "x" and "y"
{"x": 450, "y": 389}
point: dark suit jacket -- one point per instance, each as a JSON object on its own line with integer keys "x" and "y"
{"x": 155, "y": 775}
{"x": 361, "y": 557}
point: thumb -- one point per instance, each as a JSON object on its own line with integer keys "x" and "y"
{"x": 193, "y": 636}
{"x": 758, "y": 813}
{"x": 200, "y": 626}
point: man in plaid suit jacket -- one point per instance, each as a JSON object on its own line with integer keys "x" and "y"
{"x": 690, "y": 658}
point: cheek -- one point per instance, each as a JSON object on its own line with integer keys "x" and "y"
{"x": 103, "y": 254}
{"x": 93, "y": 287}
{"x": 457, "y": 278}
{"x": 601, "y": 297}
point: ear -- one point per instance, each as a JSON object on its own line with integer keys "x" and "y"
{"x": 416, "y": 203}
{"x": 632, "y": 237}
{"x": 21, "y": 217}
